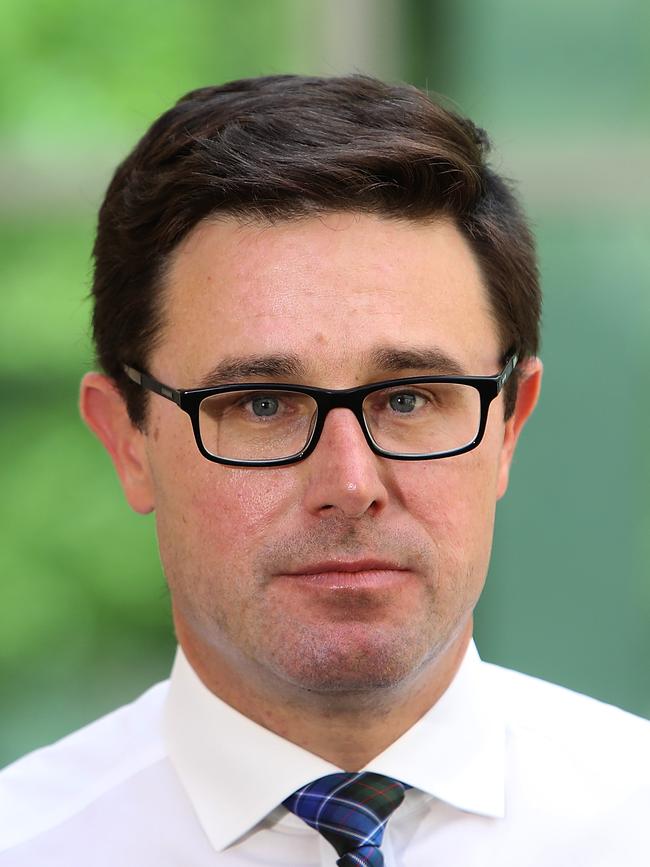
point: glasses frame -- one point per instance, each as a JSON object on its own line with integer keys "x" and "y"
{"x": 327, "y": 399}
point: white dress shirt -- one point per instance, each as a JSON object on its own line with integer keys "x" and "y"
{"x": 506, "y": 770}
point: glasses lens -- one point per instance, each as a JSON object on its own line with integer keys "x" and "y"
{"x": 256, "y": 425}
{"x": 423, "y": 418}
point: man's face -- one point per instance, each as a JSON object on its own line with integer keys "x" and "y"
{"x": 251, "y": 555}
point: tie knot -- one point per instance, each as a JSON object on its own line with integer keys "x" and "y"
{"x": 350, "y": 811}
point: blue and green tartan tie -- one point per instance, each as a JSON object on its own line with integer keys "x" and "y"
{"x": 350, "y": 811}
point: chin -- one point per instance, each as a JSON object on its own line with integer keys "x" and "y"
{"x": 366, "y": 664}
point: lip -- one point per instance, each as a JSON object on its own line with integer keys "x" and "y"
{"x": 351, "y": 566}
{"x": 368, "y": 574}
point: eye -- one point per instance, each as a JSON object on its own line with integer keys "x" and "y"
{"x": 404, "y": 401}
{"x": 264, "y": 405}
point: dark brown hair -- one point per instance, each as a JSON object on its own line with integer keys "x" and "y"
{"x": 286, "y": 146}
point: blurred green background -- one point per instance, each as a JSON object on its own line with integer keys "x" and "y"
{"x": 564, "y": 90}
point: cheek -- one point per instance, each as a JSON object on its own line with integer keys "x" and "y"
{"x": 249, "y": 502}
{"x": 209, "y": 532}
{"x": 203, "y": 505}
{"x": 228, "y": 510}
{"x": 454, "y": 500}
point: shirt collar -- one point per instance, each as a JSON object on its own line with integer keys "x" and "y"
{"x": 236, "y": 772}
{"x": 456, "y": 751}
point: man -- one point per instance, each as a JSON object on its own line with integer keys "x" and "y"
{"x": 327, "y": 278}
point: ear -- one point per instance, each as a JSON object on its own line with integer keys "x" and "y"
{"x": 530, "y": 382}
{"x": 104, "y": 410}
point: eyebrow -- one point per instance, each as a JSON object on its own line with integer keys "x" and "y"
{"x": 434, "y": 361}
{"x": 234, "y": 368}
{"x": 384, "y": 359}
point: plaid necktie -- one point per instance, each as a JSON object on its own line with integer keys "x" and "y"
{"x": 350, "y": 811}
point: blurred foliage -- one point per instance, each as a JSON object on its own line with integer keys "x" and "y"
{"x": 91, "y": 73}
{"x": 84, "y": 620}
{"x": 583, "y": 65}
{"x": 46, "y": 276}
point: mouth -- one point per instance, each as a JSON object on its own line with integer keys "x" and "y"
{"x": 366, "y": 574}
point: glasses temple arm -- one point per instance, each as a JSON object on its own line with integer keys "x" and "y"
{"x": 507, "y": 371}
{"x": 152, "y": 384}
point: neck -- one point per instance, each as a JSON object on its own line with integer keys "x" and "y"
{"x": 348, "y": 729}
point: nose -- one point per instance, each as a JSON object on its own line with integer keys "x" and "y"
{"x": 344, "y": 475}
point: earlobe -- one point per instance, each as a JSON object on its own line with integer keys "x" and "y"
{"x": 527, "y": 395}
{"x": 103, "y": 409}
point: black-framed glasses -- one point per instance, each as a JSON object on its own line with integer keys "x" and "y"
{"x": 261, "y": 424}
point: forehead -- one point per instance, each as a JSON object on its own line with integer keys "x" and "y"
{"x": 329, "y": 289}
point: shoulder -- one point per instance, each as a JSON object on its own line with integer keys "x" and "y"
{"x": 51, "y": 785}
{"x": 557, "y": 712}
{"x": 577, "y": 741}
